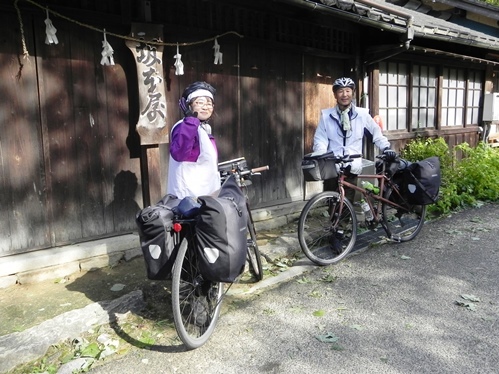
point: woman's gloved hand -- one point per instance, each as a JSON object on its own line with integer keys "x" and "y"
{"x": 185, "y": 108}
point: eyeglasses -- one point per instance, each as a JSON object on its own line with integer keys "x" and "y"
{"x": 203, "y": 104}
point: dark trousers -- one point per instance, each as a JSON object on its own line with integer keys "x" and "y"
{"x": 332, "y": 185}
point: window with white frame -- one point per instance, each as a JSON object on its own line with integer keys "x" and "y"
{"x": 424, "y": 96}
{"x": 460, "y": 93}
{"x": 393, "y": 88}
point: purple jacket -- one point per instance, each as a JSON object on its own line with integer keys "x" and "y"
{"x": 184, "y": 144}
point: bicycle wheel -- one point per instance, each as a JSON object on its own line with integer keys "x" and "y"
{"x": 196, "y": 302}
{"x": 253, "y": 253}
{"x": 402, "y": 225}
{"x": 327, "y": 236}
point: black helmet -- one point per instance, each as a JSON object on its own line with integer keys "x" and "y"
{"x": 198, "y": 86}
{"x": 343, "y": 83}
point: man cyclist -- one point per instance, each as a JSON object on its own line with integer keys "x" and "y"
{"x": 341, "y": 130}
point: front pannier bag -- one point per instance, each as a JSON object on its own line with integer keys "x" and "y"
{"x": 318, "y": 167}
{"x": 422, "y": 181}
{"x": 156, "y": 237}
{"x": 221, "y": 233}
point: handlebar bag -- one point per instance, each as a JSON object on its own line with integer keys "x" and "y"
{"x": 221, "y": 233}
{"x": 156, "y": 237}
{"x": 317, "y": 168}
{"x": 422, "y": 181}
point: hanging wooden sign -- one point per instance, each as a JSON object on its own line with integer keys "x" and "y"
{"x": 151, "y": 126}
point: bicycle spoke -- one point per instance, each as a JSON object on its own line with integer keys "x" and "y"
{"x": 402, "y": 224}
{"x": 324, "y": 237}
{"x": 196, "y": 302}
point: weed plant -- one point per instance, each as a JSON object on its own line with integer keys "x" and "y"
{"x": 469, "y": 175}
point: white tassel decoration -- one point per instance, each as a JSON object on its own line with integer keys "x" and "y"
{"x": 179, "y": 65}
{"x": 107, "y": 52}
{"x": 218, "y": 54}
{"x": 50, "y": 30}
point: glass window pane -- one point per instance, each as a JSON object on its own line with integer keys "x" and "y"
{"x": 415, "y": 118}
{"x": 432, "y": 77}
{"x": 432, "y": 97}
{"x": 402, "y": 78}
{"x": 431, "y": 118}
{"x": 423, "y": 99}
{"x": 392, "y": 96}
{"x": 459, "y": 117}
{"x": 402, "y": 119}
{"x": 415, "y": 76}
{"x": 444, "y": 117}
{"x": 452, "y": 97}
{"x": 383, "y": 97}
{"x": 415, "y": 96}
{"x": 451, "y": 116}
{"x": 460, "y": 97}
{"x": 392, "y": 70}
{"x": 392, "y": 117}
{"x": 382, "y": 73}
{"x": 402, "y": 102}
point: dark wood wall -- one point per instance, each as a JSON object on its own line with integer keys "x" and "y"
{"x": 70, "y": 158}
{"x": 67, "y": 152}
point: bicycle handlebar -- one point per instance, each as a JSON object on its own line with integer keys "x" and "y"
{"x": 259, "y": 169}
{"x": 239, "y": 167}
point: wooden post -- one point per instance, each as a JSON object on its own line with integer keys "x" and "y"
{"x": 151, "y": 126}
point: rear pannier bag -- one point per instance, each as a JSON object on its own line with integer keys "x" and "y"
{"x": 318, "y": 168}
{"x": 221, "y": 233}
{"x": 156, "y": 237}
{"x": 422, "y": 181}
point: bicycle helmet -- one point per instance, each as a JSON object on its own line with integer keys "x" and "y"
{"x": 343, "y": 83}
{"x": 197, "y": 89}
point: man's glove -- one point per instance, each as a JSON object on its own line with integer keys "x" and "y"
{"x": 184, "y": 107}
{"x": 390, "y": 154}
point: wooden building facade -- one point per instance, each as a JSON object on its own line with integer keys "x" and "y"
{"x": 72, "y": 164}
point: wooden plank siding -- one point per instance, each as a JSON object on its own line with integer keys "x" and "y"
{"x": 23, "y": 199}
{"x": 72, "y": 168}
{"x": 60, "y": 158}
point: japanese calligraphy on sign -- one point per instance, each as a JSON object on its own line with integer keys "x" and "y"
{"x": 148, "y": 59}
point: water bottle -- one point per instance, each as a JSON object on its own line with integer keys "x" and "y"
{"x": 370, "y": 187}
{"x": 367, "y": 210}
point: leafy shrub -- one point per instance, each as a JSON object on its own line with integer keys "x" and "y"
{"x": 464, "y": 182}
{"x": 478, "y": 172}
{"x": 421, "y": 148}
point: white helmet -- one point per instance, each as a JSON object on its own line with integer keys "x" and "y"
{"x": 343, "y": 83}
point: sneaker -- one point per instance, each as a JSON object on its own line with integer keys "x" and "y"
{"x": 200, "y": 311}
{"x": 335, "y": 242}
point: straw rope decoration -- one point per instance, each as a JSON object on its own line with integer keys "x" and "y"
{"x": 124, "y": 37}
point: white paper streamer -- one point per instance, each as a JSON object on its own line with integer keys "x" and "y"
{"x": 50, "y": 30}
{"x": 179, "y": 65}
{"x": 218, "y": 54}
{"x": 107, "y": 52}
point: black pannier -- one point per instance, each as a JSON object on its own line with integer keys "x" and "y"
{"x": 221, "y": 233}
{"x": 318, "y": 167}
{"x": 156, "y": 237}
{"x": 422, "y": 181}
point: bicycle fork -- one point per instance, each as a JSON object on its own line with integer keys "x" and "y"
{"x": 334, "y": 210}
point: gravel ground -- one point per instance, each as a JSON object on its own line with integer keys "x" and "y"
{"x": 427, "y": 306}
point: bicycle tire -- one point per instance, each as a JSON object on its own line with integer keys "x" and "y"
{"x": 401, "y": 225}
{"x": 322, "y": 243}
{"x": 253, "y": 253}
{"x": 196, "y": 302}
